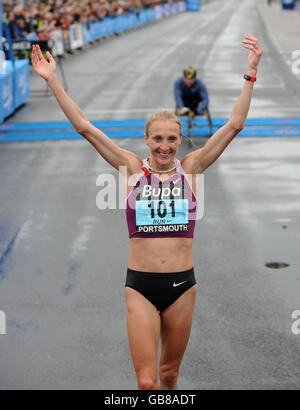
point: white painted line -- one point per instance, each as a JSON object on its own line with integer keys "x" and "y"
{"x": 80, "y": 243}
{"x": 2, "y": 323}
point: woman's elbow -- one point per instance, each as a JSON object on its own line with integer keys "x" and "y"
{"x": 237, "y": 124}
{"x": 82, "y": 127}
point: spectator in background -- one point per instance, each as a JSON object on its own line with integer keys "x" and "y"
{"x": 41, "y": 17}
{"x": 19, "y": 12}
{"x": 22, "y": 29}
{"x": 190, "y": 93}
{"x": 14, "y": 32}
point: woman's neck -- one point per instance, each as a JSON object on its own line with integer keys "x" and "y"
{"x": 168, "y": 168}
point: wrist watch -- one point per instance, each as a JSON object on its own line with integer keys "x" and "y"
{"x": 249, "y": 78}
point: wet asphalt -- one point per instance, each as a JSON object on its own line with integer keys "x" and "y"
{"x": 63, "y": 261}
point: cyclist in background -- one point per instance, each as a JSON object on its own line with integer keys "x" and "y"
{"x": 190, "y": 93}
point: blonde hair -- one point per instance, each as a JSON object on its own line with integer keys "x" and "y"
{"x": 165, "y": 116}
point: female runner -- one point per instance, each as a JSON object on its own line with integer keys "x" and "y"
{"x": 161, "y": 207}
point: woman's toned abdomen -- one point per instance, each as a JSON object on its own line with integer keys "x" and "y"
{"x": 160, "y": 254}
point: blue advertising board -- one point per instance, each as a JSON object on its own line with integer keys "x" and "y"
{"x": 21, "y": 82}
{"x": 193, "y": 5}
{"x": 288, "y": 4}
{"x": 6, "y": 96}
{"x": 1, "y": 105}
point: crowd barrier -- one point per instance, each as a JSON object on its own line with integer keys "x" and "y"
{"x": 14, "y": 78}
{"x": 80, "y": 34}
{"x": 193, "y": 5}
{"x": 14, "y": 86}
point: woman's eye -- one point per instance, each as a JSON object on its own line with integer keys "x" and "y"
{"x": 170, "y": 139}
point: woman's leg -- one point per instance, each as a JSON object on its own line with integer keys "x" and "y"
{"x": 143, "y": 325}
{"x": 176, "y": 323}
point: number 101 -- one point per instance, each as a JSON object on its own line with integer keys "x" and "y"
{"x": 161, "y": 208}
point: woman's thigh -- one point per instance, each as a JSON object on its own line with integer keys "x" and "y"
{"x": 143, "y": 325}
{"x": 176, "y": 323}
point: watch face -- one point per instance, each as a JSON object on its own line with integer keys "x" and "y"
{"x": 249, "y": 78}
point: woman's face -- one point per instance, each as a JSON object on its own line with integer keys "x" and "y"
{"x": 163, "y": 141}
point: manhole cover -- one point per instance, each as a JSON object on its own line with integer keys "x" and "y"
{"x": 277, "y": 265}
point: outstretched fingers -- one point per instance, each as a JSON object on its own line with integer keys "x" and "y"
{"x": 251, "y": 43}
{"x": 37, "y": 56}
{"x": 34, "y": 57}
{"x": 50, "y": 58}
{"x": 250, "y": 46}
{"x": 39, "y": 53}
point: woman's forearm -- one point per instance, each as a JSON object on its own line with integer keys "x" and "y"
{"x": 69, "y": 107}
{"x": 241, "y": 108}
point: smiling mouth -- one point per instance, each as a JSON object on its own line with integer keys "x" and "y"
{"x": 164, "y": 154}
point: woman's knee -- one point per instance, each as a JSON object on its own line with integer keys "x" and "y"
{"x": 168, "y": 377}
{"x": 147, "y": 383}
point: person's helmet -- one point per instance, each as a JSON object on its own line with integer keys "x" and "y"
{"x": 189, "y": 72}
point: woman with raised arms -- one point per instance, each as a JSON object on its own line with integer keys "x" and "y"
{"x": 161, "y": 212}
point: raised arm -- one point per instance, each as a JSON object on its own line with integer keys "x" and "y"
{"x": 110, "y": 151}
{"x": 197, "y": 161}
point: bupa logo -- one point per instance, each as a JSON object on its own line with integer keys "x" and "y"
{"x": 2, "y": 323}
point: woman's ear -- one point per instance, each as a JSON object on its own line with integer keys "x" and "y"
{"x": 146, "y": 138}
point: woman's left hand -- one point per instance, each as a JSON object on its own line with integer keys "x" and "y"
{"x": 256, "y": 51}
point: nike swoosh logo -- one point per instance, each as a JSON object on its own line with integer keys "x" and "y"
{"x": 177, "y": 284}
{"x": 174, "y": 182}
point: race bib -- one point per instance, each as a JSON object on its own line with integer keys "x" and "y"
{"x": 168, "y": 213}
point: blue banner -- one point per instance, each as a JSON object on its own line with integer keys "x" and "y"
{"x": 6, "y": 85}
{"x": 1, "y": 18}
{"x": 1, "y": 104}
{"x": 288, "y": 4}
{"x": 193, "y": 5}
{"x": 21, "y": 82}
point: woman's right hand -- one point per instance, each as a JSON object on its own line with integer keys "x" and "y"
{"x": 44, "y": 68}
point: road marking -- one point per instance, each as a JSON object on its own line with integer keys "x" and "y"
{"x": 2, "y": 323}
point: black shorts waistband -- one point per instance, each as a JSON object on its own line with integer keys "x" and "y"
{"x": 162, "y": 275}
